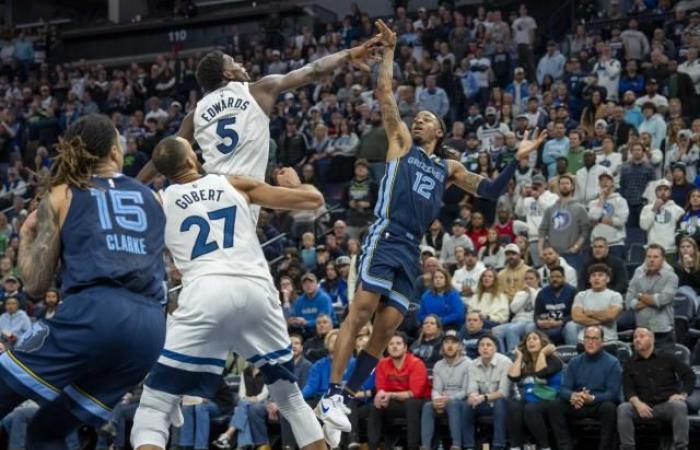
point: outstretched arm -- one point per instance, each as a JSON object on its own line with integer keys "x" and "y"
{"x": 397, "y": 132}
{"x": 290, "y": 195}
{"x": 186, "y": 131}
{"x": 266, "y": 90}
{"x": 40, "y": 241}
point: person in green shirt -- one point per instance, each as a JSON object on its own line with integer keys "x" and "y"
{"x": 575, "y": 156}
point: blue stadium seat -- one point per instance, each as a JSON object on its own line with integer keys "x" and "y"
{"x": 636, "y": 236}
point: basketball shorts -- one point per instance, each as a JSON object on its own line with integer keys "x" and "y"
{"x": 217, "y": 315}
{"x": 389, "y": 266}
{"x": 101, "y": 343}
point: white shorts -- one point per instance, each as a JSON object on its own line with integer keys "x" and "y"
{"x": 216, "y": 315}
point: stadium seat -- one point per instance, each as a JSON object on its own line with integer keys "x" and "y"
{"x": 636, "y": 236}
{"x": 620, "y": 350}
{"x": 635, "y": 256}
{"x": 680, "y": 351}
{"x": 566, "y": 352}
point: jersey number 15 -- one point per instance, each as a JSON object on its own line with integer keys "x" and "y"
{"x": 201, "y": 246}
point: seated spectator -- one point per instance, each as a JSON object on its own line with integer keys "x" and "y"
{"x": 471, "y": 332}
{"x": 198, "y": 413}
{"x": 458, "y": 237}
{"x": 435, "y": 236}
{"x": 288, "y": 295}
{"x": 600, "y": 254}
{"x": 320, "y": 372}
{"x": 650, "y": 381}
{"x": 248, "y": 419}
{"x": 442, "y": 300}
{"x": 476, "y": 230}
{"x": 680, "y": 187}
{"x": 689, "y": 224}
{"x": 659, "y": 219}
{"x": 14, "y": 322}
{"x": 314, "y": 347}
{"x": 47, "y": 308}
{"x": 488, "y": 389}
{"x": 489, "y": 301}
{"x": 591, "y": 386}
{"x": 553, "y": 306}
{"x": 551, "y": 259}
{"x": 425, "y": 280}
{"x": 595, "y": 306}
{"x": 650, "y": 295}
{"x": 427, "y": 346}
{"x": 361, "y": 196}
{"x": 309, "y": 305}
{"x": 308, "y": 250}
{"x": 687, "y": 267}
{"x": 15, "y": 426}
{"x": 450, "y": 375}
{"x": 466, "y": 277}
{"x": 334, "y": 285}
{"x": 402, "y": 386}
{"x": 538, "y": 371}
{"x": 510, "y": 279}
{"x": 492, "y": 253}
{"x": 522, "y": 309}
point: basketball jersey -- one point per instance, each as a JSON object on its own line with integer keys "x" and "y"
{"x": 209, "y": 230}
{"x": 233, "y": 132}
{"x": 410, "y": 195}
{"x": 113, "y": 237}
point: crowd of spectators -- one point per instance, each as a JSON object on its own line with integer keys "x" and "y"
{"x": 597, "y": 233}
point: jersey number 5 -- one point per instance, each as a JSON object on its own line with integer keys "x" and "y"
{"x": 226, "y": 134}
{"x": 201, "y": 246}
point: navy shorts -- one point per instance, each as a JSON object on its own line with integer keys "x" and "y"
{"x": 389, "y": 266}
{"x": 100, "y": 343}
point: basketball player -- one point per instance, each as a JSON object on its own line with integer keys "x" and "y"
{"x": 229, "y": 301}
{"x": 410, "y": 198}
{"x": 107, "y": 230}
{"x": 231, "y": 123}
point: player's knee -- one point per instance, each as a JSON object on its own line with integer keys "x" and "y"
{"x": 157, "y": 411}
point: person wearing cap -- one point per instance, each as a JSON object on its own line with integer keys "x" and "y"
{"x": 608, "y": 69}
{"x": 659, "y": 219}
{"x": 555, "y": 148}
{"x": 551, "y": 259}
{"x": 519, "y": 90}
{"x": 511, "y": 278}
{"x": 680, "y": 187}
{"x": 587, "y": 178}
{"x": 653, "y": 96}
{"x": 490, "y": 128}
{"x": 309, "y": 305}
{"x": 12, "y": 287}
{"x": 532, "y": 208}
{"x": 565, "y": 225}
{"x": 608, "y": 214}
{"x": 466, "y": 277}
{"x": 551, "y": 63}
{"x": 14, "y": 322}
{"x": 457, "y": 238}
{"x": 470, "y": 157}
{"x": 450, "y": 379}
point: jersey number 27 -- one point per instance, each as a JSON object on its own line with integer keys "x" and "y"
{"x": 201, "y": 246}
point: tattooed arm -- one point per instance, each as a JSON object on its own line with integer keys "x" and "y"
{"x": 40, "y": 241}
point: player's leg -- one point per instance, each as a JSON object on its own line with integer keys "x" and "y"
{"x": 49, "y": 427}
{"x": 9, "y": 398}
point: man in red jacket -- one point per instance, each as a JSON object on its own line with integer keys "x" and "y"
{"x": 402, "y": 387}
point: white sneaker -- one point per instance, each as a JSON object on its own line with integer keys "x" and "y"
{"x": 331, "y": 435}
{"x": 333, "y": 412}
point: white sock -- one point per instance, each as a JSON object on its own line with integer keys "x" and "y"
{"x": 298, "y": 413}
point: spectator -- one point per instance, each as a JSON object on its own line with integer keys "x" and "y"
{"x": 492, "y": 254}
{"x": 466, "y": 278}
{"x": 433, "y": 98}
{"x": 489, "y": 301}
{"x": 533, "y": 208}
{"x": 490, "y": 128}
{"x": 47, "y": 308}
{"x": 320, "y": 372}
{"x": 651, "y": 387}
{"x": 197, "y": 416}
{"x": 650, "y": 295}
{"x": 471, "y": 332}
{"x": 576, "y": 150}
{"x": 595, "y": 306}
{"x": 609, "y": 213}
{"x": 450, "y": 377}
{"x": 539, "y": 372}
{"x": 601, "y": 254}
{"x": 687, "y": 267}
{"x": 518, "y": 89}
{"x": 476, "y": 231}
{"x": 659, "y": 219}
{"x": 684, "y": 155}
{"x": 402, "y": 385}
{"x": 309, "y": 305}
{"x": 587, "y": 178}
{"x": 653, "y": 124}
{"x": 635, "y": 174}
{"x": 315, "y": 347}
{"x": 334, "y": 285}
{"x": 488, "y": 389}
{"x": 424, "y": 280}
{"x": 632, "y": 80}
{"x": 565, "y": 225}
{"x": 551, "y": 260}
{"x": 292, "y": 147}
{"x": 555, "y": 148}
{"x": 522, "y": 309}
{"x": 591, "y": 386}
{"x": 361, "y": 195}
{"x": 458, "y": 238}
{"x": 435, "y": 236}
{"x": 689, "y": 225}
{"x": 442, "y": 300}
{"x": 659, "y": 101}
{"x": 427, "y": 346}
{"x": 608, "y": 69}
{"x": 680, "y": 187}
{"x": 13, "y": 322}
{"x": 593, "y": 112}
{"x": 524, "y": 28}
{"x": 635, "y": 42}
{"x": 553, "y": 306}
{"x": 510, "y": 279}
{"x": 552, "y": 64}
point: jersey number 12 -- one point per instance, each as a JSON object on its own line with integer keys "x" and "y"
{"x": 201, "y": 246}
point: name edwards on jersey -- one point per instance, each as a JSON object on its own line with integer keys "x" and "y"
{"x": 225, "y": 104}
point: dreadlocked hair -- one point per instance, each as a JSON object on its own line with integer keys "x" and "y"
{"x": 85, "y": 143}
{"x": 210, "y": 70}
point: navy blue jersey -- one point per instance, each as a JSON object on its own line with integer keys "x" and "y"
{"x": 113, "y": 236}
{"x": 410, "y": 196}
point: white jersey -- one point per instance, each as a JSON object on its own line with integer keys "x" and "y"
{"x": 233, "y": 132}
{"x": 209, "y": 230}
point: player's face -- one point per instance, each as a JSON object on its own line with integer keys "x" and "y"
{"x": 426, "y": 128}
{"x": 234, "y": 71}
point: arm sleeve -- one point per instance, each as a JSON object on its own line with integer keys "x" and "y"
{"x": 418, "y": 379}
{"x": 438, "y": 385}
{"x": 567, "y": 385}
{"x": 646, "y": 218}
{"x": 499, "y": 311}
{"x": 622, "y": 212}
{"x": 668, "y": 290}
{"x": 422, "y": 310}
{"x": 519, "y": 301}
{"x": 539, "y": 306}
{"x": 492, "y": 189}
{"x": 471, "y": 378}
{"x": 456, "y": 315}
{"x": 380, "y": 377}
{"x": 686, "y": 375}
{"x": 627, "y": 382}
{"x": 554, "y": 365}
{"x": 612, "y": 384}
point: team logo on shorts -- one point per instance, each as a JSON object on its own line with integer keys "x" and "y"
{"x": 33, "y": 339}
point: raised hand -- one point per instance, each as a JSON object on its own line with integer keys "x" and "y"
{"x": 527, "y": 146}
{"x": 360, "y": 54}
{"x": 387, "y": 36}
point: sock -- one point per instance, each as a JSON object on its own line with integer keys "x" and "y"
{"x": 493, "y": 189}
{"x": 334, "y": 389}
{"x": 364, "y": 365}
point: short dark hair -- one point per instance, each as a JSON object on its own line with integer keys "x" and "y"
{"x": 298, "y": 336}
{"x": 210, "y": 70}
{"x": 656, "y": 247}
{"x": 600, "y": 329}
{"x": 599, "y": 268}
{"x": 402, "y": 335}
{"x": 169, "y": 156}
{"x": 487, "y": 336}
{"x": 559, "y": 269}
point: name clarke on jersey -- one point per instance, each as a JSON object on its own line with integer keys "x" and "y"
{"x": 222, "y": 105}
